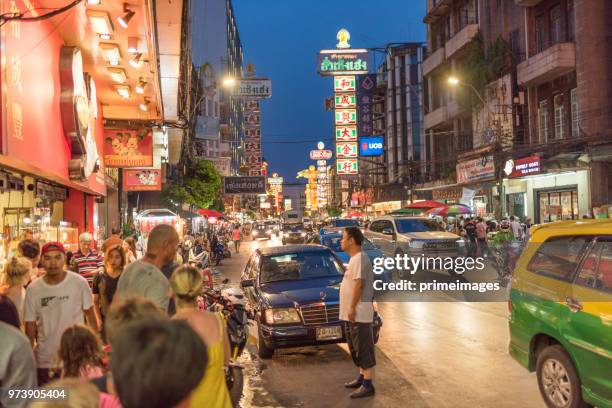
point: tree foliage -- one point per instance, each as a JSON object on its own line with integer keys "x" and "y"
{"x": 199, "y": 186}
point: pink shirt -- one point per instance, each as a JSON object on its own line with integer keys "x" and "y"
{"x": 481, "y": 230}
{"x": 236, "y": 235}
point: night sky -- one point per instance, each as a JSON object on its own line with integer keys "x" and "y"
{"x": 282, "y": 38}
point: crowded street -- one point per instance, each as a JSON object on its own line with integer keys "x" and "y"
{"x": 440, "y": 354}
{"x": 305, "y": 204}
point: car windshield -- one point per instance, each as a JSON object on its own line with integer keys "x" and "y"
{"x": 299, "y": 266}
{"x": 416, "y": 225}
{"x": 293, "y": 227}
{"x": 333, "y": 242}
{"x": 346, "y": 223}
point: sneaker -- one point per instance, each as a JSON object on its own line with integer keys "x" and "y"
{"x": 363, "y": 392}
{"x": 353, "y": 384}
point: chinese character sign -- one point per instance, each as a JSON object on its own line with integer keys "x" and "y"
{"x": 346, "y": 166}
{"x": 346, "y": 117}
{"x": 346, "y": 149}
{"x": 344, "y": 84}
{"x": 366, "y": 85}
{"x": 346, "y": 133}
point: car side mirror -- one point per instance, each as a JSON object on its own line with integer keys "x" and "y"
{"x": 388, "y": 231}
{"x": 246, "y": 283}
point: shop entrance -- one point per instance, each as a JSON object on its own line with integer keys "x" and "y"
{"x": 556, "y": 204}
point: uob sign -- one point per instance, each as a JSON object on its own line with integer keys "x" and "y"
{"x": 371, "y": 146}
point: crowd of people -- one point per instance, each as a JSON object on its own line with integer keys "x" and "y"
{"x": 62, "y": 314}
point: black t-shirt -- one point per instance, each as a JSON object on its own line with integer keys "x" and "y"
{"x": 105, "y": 286}
{"x": 470, "y": 231}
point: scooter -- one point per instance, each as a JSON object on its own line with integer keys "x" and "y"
{"x": 230, "y": 303}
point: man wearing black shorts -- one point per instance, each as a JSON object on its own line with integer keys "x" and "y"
{"x": 356, "y": 293}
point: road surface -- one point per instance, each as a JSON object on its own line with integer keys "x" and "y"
{"x": 437, "y": 354}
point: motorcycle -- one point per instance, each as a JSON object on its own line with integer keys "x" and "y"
{"x": 231, "y": 305}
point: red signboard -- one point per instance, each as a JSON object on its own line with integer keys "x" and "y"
{"x": 524, "y": 166}
{"x": 142, "y": 180}
{"x": 320, "y": 154}
{"x": 35, "y": 138}
{"x": 128, "y": 148}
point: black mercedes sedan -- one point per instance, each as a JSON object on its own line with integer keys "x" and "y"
{"x": 294, "y": 293}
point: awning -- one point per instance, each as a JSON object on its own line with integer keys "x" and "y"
{"x": 210, "y": 213}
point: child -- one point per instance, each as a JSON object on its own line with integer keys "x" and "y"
{"x": 81, "y": 353}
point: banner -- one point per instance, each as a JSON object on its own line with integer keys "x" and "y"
{"x": 128, "y": 148}
{"x": 244, "y": 185}
{"x": 223, "y": 164}
{"x": 366, "y": 86}
{"x": 142, "y": 180}
{"x": 475, "y": 170}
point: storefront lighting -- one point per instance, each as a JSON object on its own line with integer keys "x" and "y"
{"x": 118, "y": 75}
{"x": 229, "y": 82}
{"x": 26, "y": 220}
{"x": 144, "y": 106}
{"x": 133, "y": 45}
{"x": 136, "y": 61}
{"x": 94, "y": 2}
{"x": 124, "y": 20}
{"x": 140, "y": 88}
{"x": 111, "y": 53}
{"x": 123, "y": 90}
{"x": 105, "y": 36}
{"x": 100, "y": 22}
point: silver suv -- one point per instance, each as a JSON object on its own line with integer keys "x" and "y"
{"x": 414, "y": 236}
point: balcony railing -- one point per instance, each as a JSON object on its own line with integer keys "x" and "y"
{"x": 551, "y": 63}
{"x": 461, "y": 39}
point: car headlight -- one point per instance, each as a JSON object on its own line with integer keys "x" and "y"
{"x": 303, "y": 234}
{"x": 286, "y": 315}
{"x": 461, "y": 242}
{"x": 255, "y": 232}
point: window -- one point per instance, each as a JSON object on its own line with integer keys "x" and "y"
{"x": 543, "y": 121}
{"x": 559, "y": 117}
{"x": 540, "y": 33}
{"x": 556, "y": 25}
{"x": 558, "y": 257}
{"x": 596, "y": 271}
{"x": 300, "y": 266}
{"x": 574, "y": 108}
{"x": 570, "y": 21}
{"x": 377, "y": 226}
{"x": 409, "y": 225}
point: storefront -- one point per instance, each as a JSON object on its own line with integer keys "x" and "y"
{"x": 52, "y": 133}
{"x": 558, "y": 194}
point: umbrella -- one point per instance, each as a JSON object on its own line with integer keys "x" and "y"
{"x": 455, "y": 209}
{"x": 356, "y": 214}
{"x": 210, "y": 213}
{"x": 426, "y": 204}
{"x": 407, "y": 211}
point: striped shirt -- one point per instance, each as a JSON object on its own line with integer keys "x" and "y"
{"x": 87, "y": 265}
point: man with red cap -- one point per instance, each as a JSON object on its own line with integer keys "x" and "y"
{"x": 54, "y": 302}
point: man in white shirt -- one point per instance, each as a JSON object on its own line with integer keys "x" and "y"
{"x": 54, "y": 302}
{"x": 517, "y": 230}
{"x": 356, "y": 294}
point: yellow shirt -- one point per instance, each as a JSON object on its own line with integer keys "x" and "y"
{"x": 212, "y": 391}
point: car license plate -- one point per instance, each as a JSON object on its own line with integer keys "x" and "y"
{"x": 329, "y": 333}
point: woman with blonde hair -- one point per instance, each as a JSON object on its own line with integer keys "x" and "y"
{"x": 105, "y": 282}
{"x": 15, "y": 277}
{"x": 186, "y": 284}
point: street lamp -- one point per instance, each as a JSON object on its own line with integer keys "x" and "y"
{"x": 454, "y": 81}
{"x": 228, "y": 82}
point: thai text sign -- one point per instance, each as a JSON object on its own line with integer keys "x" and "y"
{"x": 346, "y": 116}
{"x": 344, "y": 84}
{"x": 346, "y": 166}
{"x": 342, "y": 62}
{"x": 128, "y": 148}
{"x": 346, "y": 150}
{"x": 320, "y": 154}
{"x": 142, "y": 180}
{"x": 246, "y": 185}
{"x": 252, "y": 88}
{"x": 476, "y": 169}
{"x": 346, "y": 133}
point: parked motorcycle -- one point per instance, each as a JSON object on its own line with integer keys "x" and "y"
{"x": 230, "y": 303}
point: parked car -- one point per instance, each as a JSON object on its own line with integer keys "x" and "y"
{"x": 332, "y": 241}
{"x": 294, "y": 234}
{"x": 414, "y": 236}
{"x": 293, "y": 292}
{"x": 261, "y": 230}
{"x": 561, "y": 312}
{"x": 274, "y": 225}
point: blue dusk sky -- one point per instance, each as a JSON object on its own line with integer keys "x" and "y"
{"x": 282, "y": 38}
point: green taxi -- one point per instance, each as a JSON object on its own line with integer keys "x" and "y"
{"x": 561, "y": 312}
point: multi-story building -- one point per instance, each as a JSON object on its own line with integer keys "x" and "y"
{"x": 218, "y": 53}
{"x": 529, "y": 105}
